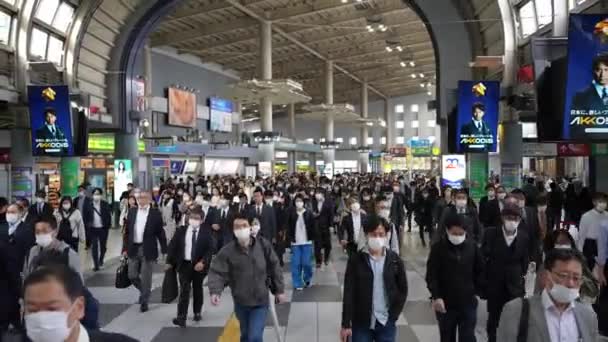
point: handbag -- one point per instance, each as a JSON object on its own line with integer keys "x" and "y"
{"x": 122, "y": 275}
{"x": 169, "y": 290}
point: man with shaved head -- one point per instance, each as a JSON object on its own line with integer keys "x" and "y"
{"x": 144, "y": 231}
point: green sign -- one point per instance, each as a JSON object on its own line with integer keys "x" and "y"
{"x": 510, "y": 176}
{"x": 599, "y": 149}
{"x": 478, "y": 175}
{"x": 105, "y": 143}
{"x": 69, "y": 176}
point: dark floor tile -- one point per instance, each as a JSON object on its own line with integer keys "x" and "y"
{"x": 189, "y": 334}
{"x": 318, "y": 293}
{"x": 101, "y": 280}
{"x": 108, "y": 312}
{"x": 419, "y": 313}
{"x": 282, "y": 315}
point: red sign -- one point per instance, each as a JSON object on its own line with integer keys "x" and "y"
{"x": 5, "y": 155}
{"x": 398, "y": 151}
{"x": 573, "y": 150}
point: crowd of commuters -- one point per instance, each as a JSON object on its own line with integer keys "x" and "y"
{"x": 234, "y": 232}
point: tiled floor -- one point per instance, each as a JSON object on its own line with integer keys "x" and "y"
{"x": 312, "y": 315}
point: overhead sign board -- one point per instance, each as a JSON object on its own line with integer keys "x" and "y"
{"x": 539, "y": 150}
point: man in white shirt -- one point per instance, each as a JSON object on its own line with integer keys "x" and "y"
{"x": 589, "y": 228}
{"x": 301, "y": 235}
{"x": 350, "y": 230}
{"x": 554, "y": 315}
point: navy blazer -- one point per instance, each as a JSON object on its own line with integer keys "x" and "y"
{"x": 153, "y": 232}
{"x": 268, "y": 221}
{"x": 325, "y": 217}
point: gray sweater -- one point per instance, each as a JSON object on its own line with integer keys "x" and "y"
{"x": 246, "y": 272}
{"x": 73, "y": 257}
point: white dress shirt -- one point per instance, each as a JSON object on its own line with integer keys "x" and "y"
{"x": 320, "y": 206}
{"x": 356, "y": 225}
{"x": 188, "y": 245}
{"x": 83, "y": 334}
{"x": 562, "y": 326}
{"x": 140, "y": 224}
{"x": 13, "y": 227}
{"x": 301, "y": 234}
{"x": 590, "y": 226}
{"x": 97, "y": 222}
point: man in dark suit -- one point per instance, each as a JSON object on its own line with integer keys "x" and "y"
{"x": 10, "y": 289}
{"x": 243, "y": 205}
{"x": 505, "y": 250}
{"x": 323, "y": 213}
{"x": 54, "y": 289}
{"x": 49, "y": 132}
{"x": 351, "y": 228}
{"x": 529, "y": 224}
{"x": 100, "y": 227}
{"x": 189, "y": 253}
{"x": 489, "y": 209}
{"x": 476, "y": 128}
{"x": 41, "y": 210}
{"x": 84, "y": 204}
{"x": 221, "y": 232}
{"x": 143, "y": 233}
{"x": 397, "y": 202}
{"x": 265, "y": 215}
{"x": 595, "y": 96}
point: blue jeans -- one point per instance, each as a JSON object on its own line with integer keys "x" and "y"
{"x": 380, "y": 333}
{"x": 301, "y": 265}
{"x": 252, "y": 320}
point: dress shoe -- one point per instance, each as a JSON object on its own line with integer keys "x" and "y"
{"x": 180, "y": 322}
{"x": 143, "y": 307}
{"x": 198, "y": 317}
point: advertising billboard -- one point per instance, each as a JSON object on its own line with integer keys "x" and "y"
{"x": 477, "y": 119}
{"x": 182, "y": 108}
{"x": 453, "y": 170}
{"x": 51, "y": 120}
{"x": 586, "y": 98}
{"x": 220, "y": 115}
{"x": 123, "y": 175}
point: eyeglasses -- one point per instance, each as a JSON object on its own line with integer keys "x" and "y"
{"x": 564, "y": 277}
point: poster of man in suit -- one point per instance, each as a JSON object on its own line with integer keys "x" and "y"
{"x": 477, "y": 116}
{"x": 50, "y": 120}
{"x": 586, "y": 107}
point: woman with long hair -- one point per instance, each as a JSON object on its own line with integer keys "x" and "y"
{"x": 70, "y": 223}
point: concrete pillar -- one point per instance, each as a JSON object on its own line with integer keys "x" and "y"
{"x": 126, "y": 148}
{"x": 238, "y": 108}
{"x": 148, "y": 73}
{"x": 560, "y": 18}
{"x": 511, "y": 146}
{"x": 291, "y": 162}
{"x": 21, "y": 148}
{"x": 266, "y": 150}
{"x": 390, "y": 126}
{"x": 291, "y": 112}
{"x": 364, "y": 156}
{"x": 329, "y": 155}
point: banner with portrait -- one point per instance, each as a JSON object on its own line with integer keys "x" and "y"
{"x": 477, "y": 121}
{"x": 50, "y": 120}
{"x": 453, "y": 170}
{"x": 123, "y": 175}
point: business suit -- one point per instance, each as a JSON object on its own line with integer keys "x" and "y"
{"x": 99, "y": 229}
{"x": 142, "y": 255}
{"x": 346, "y": 232}
{"x": 323, "y": 220}
{"x": 585, "y": 101}
{"x": 529, "y": 224}
{"x": 268, "y": 220}
{"x": 19, "y": 243}
{"x": 489, "y": 212}
{"x": 184, "y": 265}
{"x": 46, "y": 133}
{"x": 222, "y": 236}
{"x": 538, "y": 331}
{"x": 41, "y": 211}
{"x": 505, "y": 269}
{"x": 398, "y": 210}
{"x": 10, "y": 289}
{"x": 470, "y": 130}
{"x": 85, "y": 205}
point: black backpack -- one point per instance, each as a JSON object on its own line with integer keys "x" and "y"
{"x": 65, "y": 229}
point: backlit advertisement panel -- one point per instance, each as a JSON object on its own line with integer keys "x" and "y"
{"x": 477, "y": 120}
{"x": 453, "y": 170}
{"x": 586, "y": 98}
{"x": 123, "y": 175}
{"x": 51, "y": 120}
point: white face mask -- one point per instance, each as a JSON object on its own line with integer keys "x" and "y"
{"x": 39, "y": 200}
{"x": 43, "y": 240}
{"x": 269, "y": 201}
{"x": 223, "y": 203}
{"x": 385, "y": 213}
{"x": 243, "y": 235}
{"x": 376, "y": 243}
{"x": 355, "y": 207}
{"x": 319, "y": 197}
{"x": 461, "y": 203}
{"x": 66, "y": 206}
{"x": 563, "y": 247}
{"x": 542, "y": 208}
{"x": 491, "y": 194}
{"x": 299, "y": 204}
{"x": 600, "y": 206}
{"x": 366, "y": 198}
{"x": 511, "y": 226}
{"x": 562, "y": 294}
{"x": 12, "y": 218}
{"x": 456, "y": 239}
{"x": 194, "y": 223}
{"x": 48, "y": 326}
{"x": 501, "y": 195}
{"x": 255, "y": 229}
{"x": 96, "y": 198}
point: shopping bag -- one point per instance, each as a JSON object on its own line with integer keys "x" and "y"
{"x": 122, "y": 275}
{"x": 170, "y": 290}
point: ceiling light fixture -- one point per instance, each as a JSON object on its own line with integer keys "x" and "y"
{"x": 412, "y": 64}
{"x": 403, "y": 64}
{"x": 421, "y": 75}
{"x": 414, "y": 76}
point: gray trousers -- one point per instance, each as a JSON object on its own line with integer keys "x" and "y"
{"x": 140, "y": 274}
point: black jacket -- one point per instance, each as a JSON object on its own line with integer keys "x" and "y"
{"x": 268, "y": 221}
{"x": 153, "y": 232}
{"x": 531, "y": 226}
{"x": 359, "y": 288}
{"x": 470, "y": 219}
{"x": 46, "y": 213}
{"x": 397, "y": 214}
{"x": 10, "y": 285}
{"x": 105, "y": 213}
{"x": 505, "y": 266}
{"x": 87, "y": 209}
{"x": 292, "y": 219}
{"x": 19, "y": 243}
{"x": 424, "y": 210}
{"x": 325, "y": 217}
{"x": 489, "y": 212}
{"x": 454, "y": 273}
{"x": 347, "y": 227}
{"x": 177, "y": 246}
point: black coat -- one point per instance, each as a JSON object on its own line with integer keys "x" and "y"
{"x": 309, "y": 221}
{"x": 489, "y": 212}
{"x": 359, "y": 287}
{"x": 10, "y": 285}
{"x": 268, "y": 221}
{"x": 347, "y": 228}
{"x": 398, "y": 209}
{"x": 87, "y": 209}
{"x": 454, "y": 273}
{"x": 505, "y": 266}
{"x": 46, "y": 213}
{"x": 105, "y": 213}
{"x": 19, "y": 243}
{"x": 470, "y": 220}
{"x": 324, "y": 218}
{"x": 153, "y": 232}
{"x": 531, "y": 226}
{"x": 177, "y": 246}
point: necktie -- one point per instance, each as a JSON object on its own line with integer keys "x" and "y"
{"x": 259, "y": 211}
{"x": 193, "y": 245}
{"x": 223, "y": 214}
{"x": 40, "y": 209}
{"x": 605, "y": 96}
